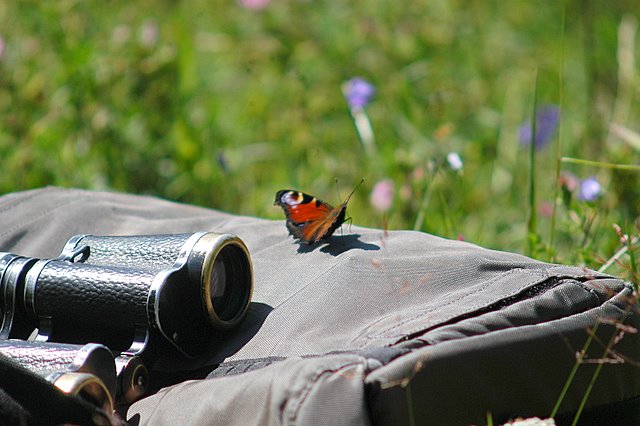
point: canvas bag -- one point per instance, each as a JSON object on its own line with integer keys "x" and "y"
{"x": 370, "y": 328}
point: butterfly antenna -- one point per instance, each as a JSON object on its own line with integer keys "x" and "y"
{"x": 337, "y": 189}
{"x": 354, "y": 190}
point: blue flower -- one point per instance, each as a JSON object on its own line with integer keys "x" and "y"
{"x": 547, "y": 119}
{"x": 358, "y": 92}
{"x": 590, "y": 189}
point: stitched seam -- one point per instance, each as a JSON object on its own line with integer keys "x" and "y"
{"x": 464, "y": 296}
{"x": 17, "y": 202}
{"x": 307, "y": 284}
{"x": 385, "y": 333}
{"x": 33, "y": 219}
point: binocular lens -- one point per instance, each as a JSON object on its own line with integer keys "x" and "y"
{"x": 230, "y": 286}
{"x": 218, "y": 284}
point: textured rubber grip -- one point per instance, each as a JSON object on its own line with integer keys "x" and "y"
{"x": 41, "y": 358}
{"x": 152, "y": 252}
{"x": 49, "y": 360}
{"x": 90, "y": 294}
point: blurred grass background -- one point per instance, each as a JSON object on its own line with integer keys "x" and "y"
{"x": 222, "y": 103}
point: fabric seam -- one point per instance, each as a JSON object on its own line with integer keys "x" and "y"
{"x": 384, "y": 334}
{"x": 33, "y": 219}
{"x": 14, "y": 203}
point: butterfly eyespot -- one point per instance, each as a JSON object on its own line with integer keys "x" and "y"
{"x": 288, "y": 197}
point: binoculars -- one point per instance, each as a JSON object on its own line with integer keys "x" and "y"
{"x": 87, "y": 371}
{"x": 139, "y": 296}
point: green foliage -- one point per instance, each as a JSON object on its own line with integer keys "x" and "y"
{"x": 211, "y": 103}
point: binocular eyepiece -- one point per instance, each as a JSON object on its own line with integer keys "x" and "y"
{"x": 134, "y": 294}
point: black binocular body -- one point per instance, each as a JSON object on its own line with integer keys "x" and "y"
{"x": 88, "y": 371}
{"x": 139, "y": 296}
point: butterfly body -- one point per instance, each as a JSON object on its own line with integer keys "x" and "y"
{"x": 308, "y": 218}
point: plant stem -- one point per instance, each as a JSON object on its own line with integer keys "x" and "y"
{"x": 601, "y": 164}
{"x": 489, "y": 418}
{"x": 633, "y": 268}
{"x": 594, "y": 377}
{"x": 531, "y": 222}
{"x": 446, "y": 215}
{"x": 556, "y": 189}
{"x": 364, "y": 129}
{"x": 417, "y": 225}
{"x": 412, "y": 420}
{"x": 574, "y": 370}
{"x": 617, "y": 255}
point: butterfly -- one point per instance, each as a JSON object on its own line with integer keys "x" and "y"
{"x": 310, "y": 219}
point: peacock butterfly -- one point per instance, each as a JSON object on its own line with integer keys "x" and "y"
{"x": 310, "y": 219}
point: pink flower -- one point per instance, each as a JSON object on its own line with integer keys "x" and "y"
{"x": 382, "y": 195}
{"x": 149, "y": 33}
{"x": 546, "y": 209}
{"x": 569, "y": 181}
{"x": 254, "y": 4}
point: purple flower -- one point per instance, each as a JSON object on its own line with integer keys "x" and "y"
{"x": 547, "y": 119}
{"x": 358, "y": 92}
{"x": 590, "y": 189}
{"x": 382, "y": 195}
{"x": 1, "y": 46}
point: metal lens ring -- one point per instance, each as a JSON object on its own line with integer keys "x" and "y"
{"x": 227, "y": 279}
{"x": 86, "y": 386}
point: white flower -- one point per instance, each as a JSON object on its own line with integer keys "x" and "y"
{"x": 454, "y": 160}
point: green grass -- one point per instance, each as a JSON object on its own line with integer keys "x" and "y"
{"x": 210, "y": 103}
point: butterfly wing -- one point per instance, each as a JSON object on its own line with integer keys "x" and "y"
{"x": 320, "y": 230}
{"x": 300, "y": 207}
{"x": 308, "y": 218}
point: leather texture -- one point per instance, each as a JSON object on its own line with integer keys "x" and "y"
{"x": 147, "y": 252}
{"x": 88, "y": 294}
{"x": 43, "y": 359}
{"x": 49, "y": 360}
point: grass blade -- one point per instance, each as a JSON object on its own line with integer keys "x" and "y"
{"x": 532, "y": 217}
{"x": 601, "y": 164}
{"x": 556, "y": 189}
{"x": 574, "y": 370}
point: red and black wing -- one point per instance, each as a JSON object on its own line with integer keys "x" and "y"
{"x": 308, "y": 218}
